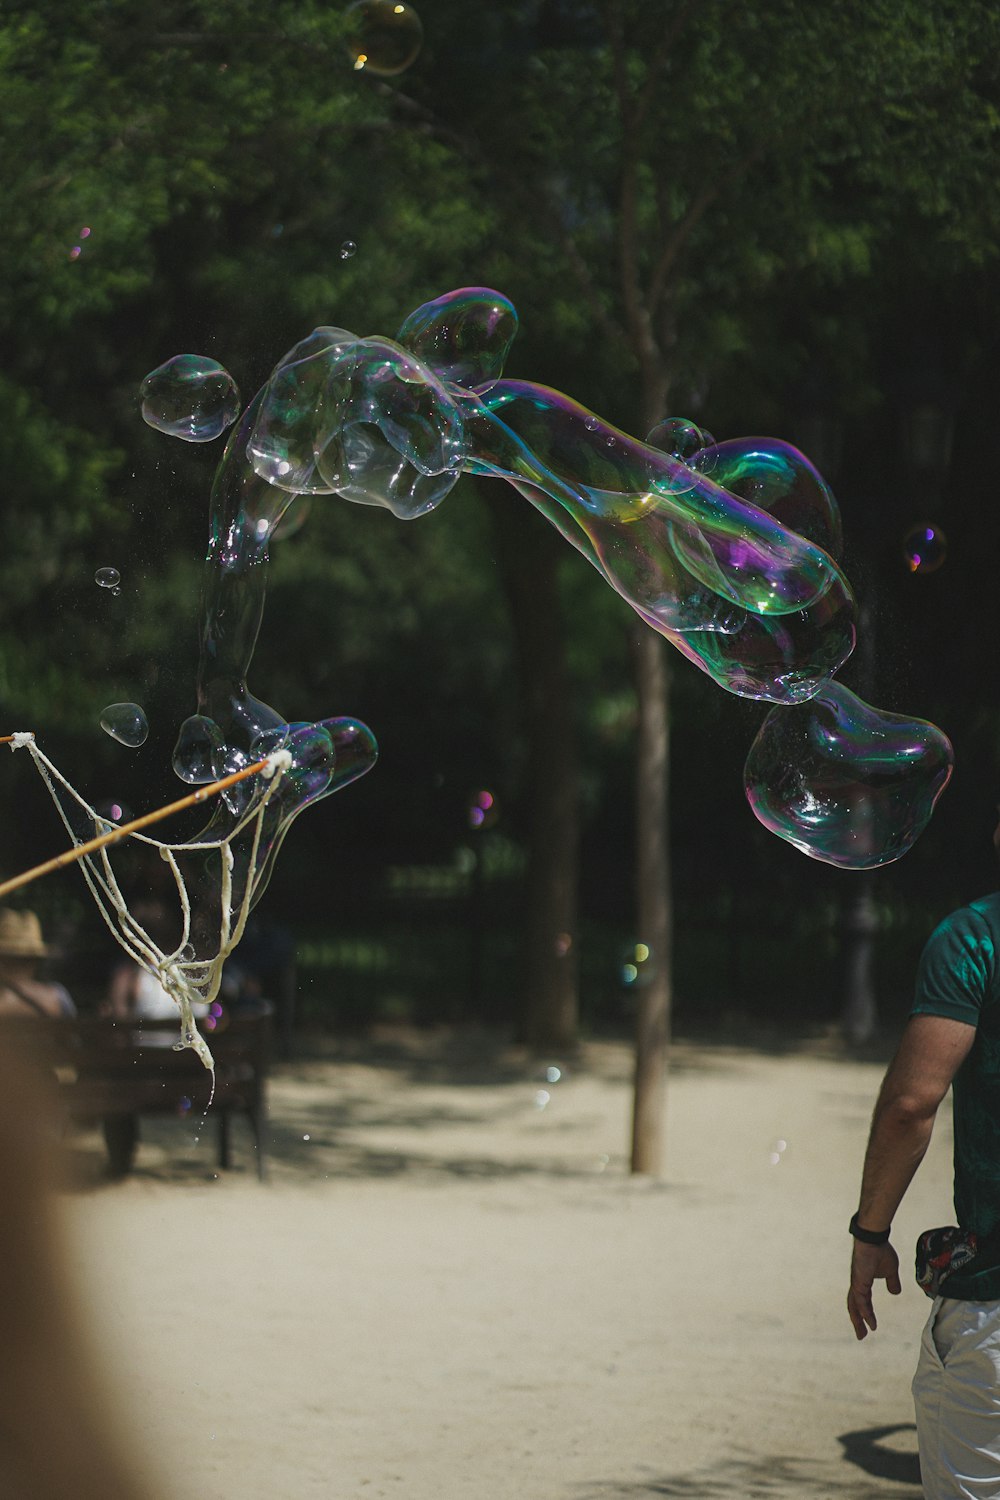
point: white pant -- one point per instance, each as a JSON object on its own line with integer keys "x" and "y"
{"x": 956, "y": 1392}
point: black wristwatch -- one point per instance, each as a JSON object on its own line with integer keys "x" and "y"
{"x": 870, "y": 1236}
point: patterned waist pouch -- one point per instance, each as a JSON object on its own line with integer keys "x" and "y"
{"x": 942, "y": 1252}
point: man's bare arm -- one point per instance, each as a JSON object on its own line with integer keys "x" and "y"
{"x": 930, "y": 1053}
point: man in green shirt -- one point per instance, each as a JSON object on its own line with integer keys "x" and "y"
{"x": 951, "y": 1039}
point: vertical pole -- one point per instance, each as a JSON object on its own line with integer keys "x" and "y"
{"x": 654, "y": 902}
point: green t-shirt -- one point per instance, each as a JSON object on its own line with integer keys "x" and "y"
{"x": 959, "y": 977}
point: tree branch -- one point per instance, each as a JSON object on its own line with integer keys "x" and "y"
{"x": 683, "y": 230}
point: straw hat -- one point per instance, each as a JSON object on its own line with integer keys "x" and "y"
{"x": 20, "y": 935}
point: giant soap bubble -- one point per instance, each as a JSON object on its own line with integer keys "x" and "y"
{"x": 726, "y": 549}
{"x": 845, "y": 782}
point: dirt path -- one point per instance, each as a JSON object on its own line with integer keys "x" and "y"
{"x": 451, "y": 1290}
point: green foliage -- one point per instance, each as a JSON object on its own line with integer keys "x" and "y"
{"x": 762, "y": 195}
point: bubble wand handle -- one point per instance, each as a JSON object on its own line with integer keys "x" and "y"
{"x": 69, "y": 856}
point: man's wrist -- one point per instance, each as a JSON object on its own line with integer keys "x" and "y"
{"x": 869, "y": 1236}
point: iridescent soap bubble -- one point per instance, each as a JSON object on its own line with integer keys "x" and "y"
{"x": 301, "y": 413}
{"x": 199, "y": 742}
{"x": 326, "y": 756}
{"x": 347, "y": 249}
{"x": 776, "y": 477}
{"x": 725, "y": 549}
{"x": 464, "y": 336}
{"x": 398, "y": 439}
{"x": 682, "y": 439}
{"x": 108, "y": 578}
{"x": 383, "y": 36}
{"x": 190, "y": 397}
{"x": 760, "y": 608}
{"x": 126, "y": 723}
{"x": 925, "y": 548}
{"x": 845, "y": 782}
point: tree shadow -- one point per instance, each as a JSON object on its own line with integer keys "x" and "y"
{"x": 753, "y": 1477}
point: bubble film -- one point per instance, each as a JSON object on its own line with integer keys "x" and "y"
{"x": 776, "y": 477}
{"x": 683, "y": 440}
{"x": 726, "y": 549}
{"x": 925, "y": 548}
{"x": 198, "y": 743}
{"x": 762, "y": 610}
{"x": 844, "y": 782}
{"x": 464, "y": 336}
{"x": 383, "y": 36}
{"x": 190, "y": 397}
{"x": 126, "y": 723}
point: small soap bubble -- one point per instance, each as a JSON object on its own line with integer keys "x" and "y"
{"x": 307, "y": 1137}
{"x": 198, "y": 742}
{"x": 347, "y": 249}
{"x": 126, "y": 723}
{"x": 553, "y": 1075}
{"x": 190, "y": 397}
{"x": 682, "y": 440}
{"x": 108, "y": 578}
{"x": 542, "y": 1097}
{"x": 383, "y": 36}
{"x": 482, "y": 810}
{"x": 76, "y": 252}
{"x": 925, "y": 548}
{"x": 112, "y": 812}
{"x": 679, "y": 437}
{"x": 636, "y": 967}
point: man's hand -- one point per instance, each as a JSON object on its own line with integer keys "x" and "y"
{"x": 870, "y": 1263}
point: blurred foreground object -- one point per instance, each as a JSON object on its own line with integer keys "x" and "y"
{"x": 57, "y": 1439}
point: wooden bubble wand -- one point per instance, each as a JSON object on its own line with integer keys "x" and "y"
{"x": 69, "y": 856}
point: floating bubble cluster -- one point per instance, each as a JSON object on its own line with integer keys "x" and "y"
{"x": 925, "y": 548}
{"x": 190, "y": 397}
{"x": 726, "y": 549}
{"x": 844, "y": 782}
{"x": 126, "y": 723}
{"x": 383, "y": 36}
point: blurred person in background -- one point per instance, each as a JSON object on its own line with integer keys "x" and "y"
{"x": 22, "y": 950}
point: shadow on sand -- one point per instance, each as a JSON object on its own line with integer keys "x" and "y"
{"x": 752, "y": 1477}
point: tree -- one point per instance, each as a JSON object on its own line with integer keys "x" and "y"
{"x": 683, "y": 164}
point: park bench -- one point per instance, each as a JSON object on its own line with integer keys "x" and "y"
{"x": 113, "y": 1072}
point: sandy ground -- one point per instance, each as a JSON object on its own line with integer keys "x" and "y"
{"x": 451, "y": 1287}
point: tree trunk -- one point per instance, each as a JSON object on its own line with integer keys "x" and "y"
{"x": 654, "y": 902}
{"x": 529, "y": 553}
